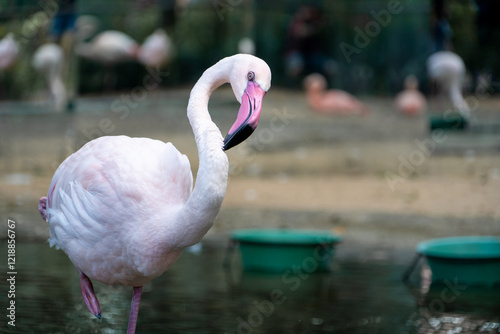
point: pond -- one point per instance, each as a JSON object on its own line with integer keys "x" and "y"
{"x": 197, "y": 295}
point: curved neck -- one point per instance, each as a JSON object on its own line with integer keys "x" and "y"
{"x": 202, "y": 207}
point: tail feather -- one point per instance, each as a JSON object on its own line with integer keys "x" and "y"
{"x": 42, "y": 208}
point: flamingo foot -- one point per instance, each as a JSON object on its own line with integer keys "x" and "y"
{"x": 134, "y": 310}
{"x": 89, "y": 296}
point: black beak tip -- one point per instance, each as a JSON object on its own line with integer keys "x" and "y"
{"x": 237, "y": 137}
{"x": 225, "y": 147}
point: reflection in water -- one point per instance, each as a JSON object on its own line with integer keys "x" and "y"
{"x": 198, "y": 296}
{"x": 451, "y": 307}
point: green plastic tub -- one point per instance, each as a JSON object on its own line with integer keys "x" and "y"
{"x": 448, "y": 122}
{"x": 280, "y": 250}
{"x": 472, "y": 260}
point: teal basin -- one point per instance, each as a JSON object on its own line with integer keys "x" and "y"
{"x": 448, "y": 122}
{"x": 472, "y": 260}
{"x": 281, "y": 250}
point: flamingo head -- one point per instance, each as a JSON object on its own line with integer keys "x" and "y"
{"x": 250, "y": 79}
{"x": 315, "y": 83}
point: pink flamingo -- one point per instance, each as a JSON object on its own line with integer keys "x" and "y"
{"x": 447, "y": 70}
{"x": 331, "y": 101}
{"x": 48, "y": 59}
{"x": 109, "y": 47}
{"x": 410, "y": 101}
{"x": 8, "y": 51}
{"x": 123, "y": 209}
{"x": 156, "y": 50}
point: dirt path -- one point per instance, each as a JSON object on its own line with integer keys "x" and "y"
{"x": 435, "y": 196}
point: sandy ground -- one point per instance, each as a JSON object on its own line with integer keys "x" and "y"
{"x": 380, "y": 179}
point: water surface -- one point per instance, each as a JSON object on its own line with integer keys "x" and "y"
{"x": 198, "y": 296}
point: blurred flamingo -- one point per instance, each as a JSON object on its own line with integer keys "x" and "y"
{"x": 410, "y": 101}
{"x": 246, "y": 45}
{"x": 331, "y": 101}
{"x": 8, "y": 51}
{"x": 447, "y": 70}
{"x": 123, "y": 209}
{"x": 156, "y": 50}
{"x": 112, "y": 47}
{"x": 109, "y": 48}
{"x": 48, "y": 59}
{"x": 8, "y": 55}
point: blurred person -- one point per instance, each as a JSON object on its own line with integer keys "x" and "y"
{"x": 441, "y": 29}
{"x": 64, "y": 20}
{"x": 62, "y": 34}
{"x": 304, "y": 48}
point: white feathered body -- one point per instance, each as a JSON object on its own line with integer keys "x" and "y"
{"x": 156, "y": 50}
{"x": 448, "y": 70}
{"x": 109, "y": 47}
{"x": 8, "y": 51}
{"x": 112, "y": 208}
{"x": 49, "y": 59}
{"x": 446, "y": 66}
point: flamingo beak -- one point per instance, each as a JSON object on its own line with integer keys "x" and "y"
{"x": 248, "y": 116}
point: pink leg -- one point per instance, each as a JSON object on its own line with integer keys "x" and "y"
{"x": 134, "y": 310}
{"x": 89, "y": 296}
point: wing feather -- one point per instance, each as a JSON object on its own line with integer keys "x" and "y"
{"x": 112, "y": 187}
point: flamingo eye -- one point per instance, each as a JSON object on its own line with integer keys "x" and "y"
{"x": 250, "y": 76}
